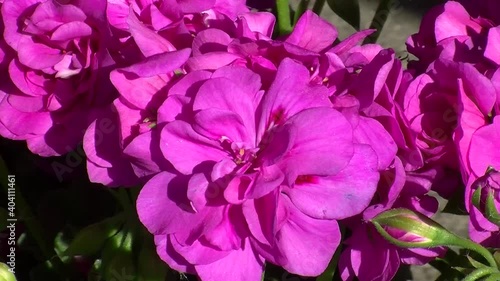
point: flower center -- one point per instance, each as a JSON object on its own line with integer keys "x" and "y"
{"x": 238, "y": 151}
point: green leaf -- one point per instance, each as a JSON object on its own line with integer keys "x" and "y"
{"x": 91, "y": 239}
{"x": 149, "y": 266}
{"x": 491, "y": 210}
{"x": 476, "y": 197}
{"x": 121, "y": 267}
{"x": 496, "y": 255}
{"x": 118, "y": 262}
{"x": 475, "y": 263}
{"x": 347, "y": 10}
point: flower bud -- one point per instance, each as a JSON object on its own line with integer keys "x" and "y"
{"x": 485, "y": 196}
{"x": 409, "y": 229}
{"x": 6, "y": 273}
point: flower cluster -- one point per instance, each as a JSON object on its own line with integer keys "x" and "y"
{"x": 254, "y": 149}
{"x": 456, "y": 99}
{"x": 57, "y": 64}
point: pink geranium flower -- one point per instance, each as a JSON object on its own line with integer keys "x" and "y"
{"x": 58, "y": 72}
{"x": 257, "y": 168}
{"x": 454, "y": 105}
{"x": 140, "y": 111}
{"x": 162, "y": 25}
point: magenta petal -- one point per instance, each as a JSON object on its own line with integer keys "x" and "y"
{"x": 344, "y": 267}
{"x": 231, "y": 97}
{"x": 370, "y": 131}
{"x": 350, "y": 42}
{"x": 227, "y": 236}
{"x": 255, "y": 185}
{"x": 145, "y": 154}
{"x": 492, "y": 50}
{"x": 27, "y": 103}
{"x": 120, "y": 175}
{"x": 158, "y": 19}
{"x": 313, "y": 33}
{"x": 55, "y": 11}
{"x": 175, "y": 107}
{"x": 94, "y": 141}
{"x": 199, "y": 253}
{"x": 163, "y": 208}
{"x": 483, "y": 150}
{"x": 140, "y": 82}
{"x": 211, "y": 61}
{"x": 454, "y": 21}
{"x": 129, "y": 117}
{"x": 117, "y": 13}
{"x": 248, "y": 80}
{"x": 470, "y": 119}
{"x": 167, "y": 253}
{"x": 250, "y": 266}
{"x": 71, "y": 30}
{"x": 106, "y": 163}
{"x": 190, "y": 83}
{"x": 235, "y": 190}
{"x": 12, "y": 11}
{"x": 210, "y": 40}
{"x": 195, "y": 6}
{"x": 25, "y": 124}
{"x": 318, "y": 133}
{"x": 479, "y": 88}
{"x": 261, "y": 216}
{"x": 420, "y": 256}
{"x": 367, "y": 247}
{"x": 149, "y": 42}
{"x": 307, "y": 243}
{"x": 198, "y": 191}
{"x": 186, "y": 149}
{"x": 29, "y": 82}
{"x": 262, "y": 22}
{"x": 373, "y": 78}
{"x": 217, "y": 124}
{"x": 278, "y": 104}
{"x": 163, "y": 63}
{"x": 268, "y": 179}
{"x": 36, "y": 55}
{"x": 352, "y": 189}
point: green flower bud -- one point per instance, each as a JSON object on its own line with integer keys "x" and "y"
{"x": 6, "y": 273}
{"x": 409, "y": 229}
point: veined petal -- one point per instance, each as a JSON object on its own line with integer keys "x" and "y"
{"x": 186, "y": 149}
{"x": 352, "y": 189}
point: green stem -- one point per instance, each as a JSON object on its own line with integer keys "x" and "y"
{"x": 379, "y": 20}
{"x": 301, "y": 9}
{"x": 467, "y": 244}
{"x": 318, "y": 6}
{"x": 493, "y": 277}
{"x": 480, "y": 273}
{"x": 284, "y": 21}
{"x": 32, "y": 224}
